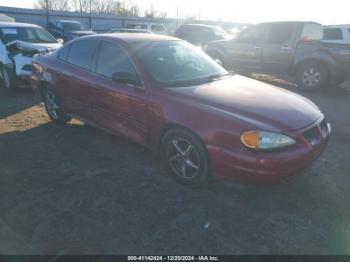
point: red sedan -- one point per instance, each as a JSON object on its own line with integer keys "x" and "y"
{"x": 169, "y": 96}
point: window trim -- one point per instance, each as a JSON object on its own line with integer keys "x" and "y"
{"x": 79, "y": 67}
{"x": 142, "y": 86}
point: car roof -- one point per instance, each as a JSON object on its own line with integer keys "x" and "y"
{"x": 289, "y": 22}
{"x": 199, "y": 25}
{"x": 132, "y": 37}
{"x": 14, "y": 24}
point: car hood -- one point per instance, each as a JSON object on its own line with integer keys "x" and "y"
{"x": 262, "y": 105}
{"x": 32, "y": 47}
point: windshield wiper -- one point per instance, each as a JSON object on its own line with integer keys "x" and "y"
{"x": 210, "y": 78}
{"x": 217, "y": 76}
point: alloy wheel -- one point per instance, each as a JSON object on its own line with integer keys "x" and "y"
{"x": 311, "y": 77}
{"x": 183, "y": 158}
{"x": 51, "y": 104}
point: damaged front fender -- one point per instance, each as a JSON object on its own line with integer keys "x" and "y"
{"x": 21, "y": 54}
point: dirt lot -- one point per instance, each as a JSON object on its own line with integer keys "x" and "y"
{"x": 75, "y": 189}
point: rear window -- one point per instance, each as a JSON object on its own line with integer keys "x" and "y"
{"x": 312, "y": 31}
{"x": 332, "y": 34}
{"x": 136, "y": 26}
{"x": 82, "y": 53}
{"x": 157, "y": 28}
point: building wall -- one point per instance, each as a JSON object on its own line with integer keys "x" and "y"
{"x": 99, "y": 22}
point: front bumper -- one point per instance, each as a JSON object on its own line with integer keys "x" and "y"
{"x": 269, "y": 167}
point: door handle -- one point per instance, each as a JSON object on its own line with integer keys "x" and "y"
{"x": 286, "y": 48}
{"x": 257, "y": 47}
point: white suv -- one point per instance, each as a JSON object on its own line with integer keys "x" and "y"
{"x": 336, "y": 34}
{"x": 19, "y": 42}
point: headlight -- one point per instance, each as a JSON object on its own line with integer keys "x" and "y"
{"x": 265, "y": 140}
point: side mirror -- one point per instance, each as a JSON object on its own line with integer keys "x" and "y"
{"x": 126, "y": 78}
{"x": 60, "y": 41}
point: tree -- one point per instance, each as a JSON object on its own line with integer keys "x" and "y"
{"x": 152, "y": 13}
{"x": 53, "y": 5}
{"x": 82, "y": 6}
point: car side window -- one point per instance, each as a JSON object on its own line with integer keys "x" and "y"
{"x": 279, "y": 34}
{"x": 332, "y": 34}
{"x": 63, "y": 52}
{"x": 312, "y": 32}
{"x": 81, "y": 53}
{"x": 252, "y": 35}
{"x": 112, "y": 59}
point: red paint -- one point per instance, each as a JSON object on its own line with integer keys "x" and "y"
{"x": 218, "y": 112}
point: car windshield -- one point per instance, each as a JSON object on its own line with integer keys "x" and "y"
{"x": 177, "y": 63}
{"x": 27, "y": 34}
{"x": 71, "y": 26}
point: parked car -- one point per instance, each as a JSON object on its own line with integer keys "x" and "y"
{"x": 125, "y": 30}
{"x": 155, "y": 28}
{"x": 68, "y": 30}
{"x": 19, "y": 42}
{"x": 339, "y": 34}
{"x": 199, "y": 34}
{"x": 171, "y": 97}
{"x": 292, "y": 49}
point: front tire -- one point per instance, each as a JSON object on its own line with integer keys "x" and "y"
{"x": 186, "y": 158}
{"x": 53, "y": 108}
{"x": 312, "y": 76}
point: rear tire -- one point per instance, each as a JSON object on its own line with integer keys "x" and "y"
{"x": 53, "y": 107}
{"x": 312, "y": 76}
{"x": 186, "y": 158}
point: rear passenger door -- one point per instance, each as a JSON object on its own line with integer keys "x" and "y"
{"x": 278, "y": 47}
{"x": 74, "y": 77}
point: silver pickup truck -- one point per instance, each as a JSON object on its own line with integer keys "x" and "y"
{"x": 291, "y": 49}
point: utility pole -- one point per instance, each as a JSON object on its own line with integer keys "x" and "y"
{"x": 199, "y": 14}
{"x": 90, "y": 18}
{"x": 47, "y": 13}
{"x": 177, "y": 17}
{"x": 124, "y": 14}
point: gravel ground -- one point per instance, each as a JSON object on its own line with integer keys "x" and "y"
{"x": 74, "y": 189}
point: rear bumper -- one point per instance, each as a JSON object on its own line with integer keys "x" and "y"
{"x": 264, "y": 168}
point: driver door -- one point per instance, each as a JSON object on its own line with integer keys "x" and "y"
{"x": 118, "y": 107}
